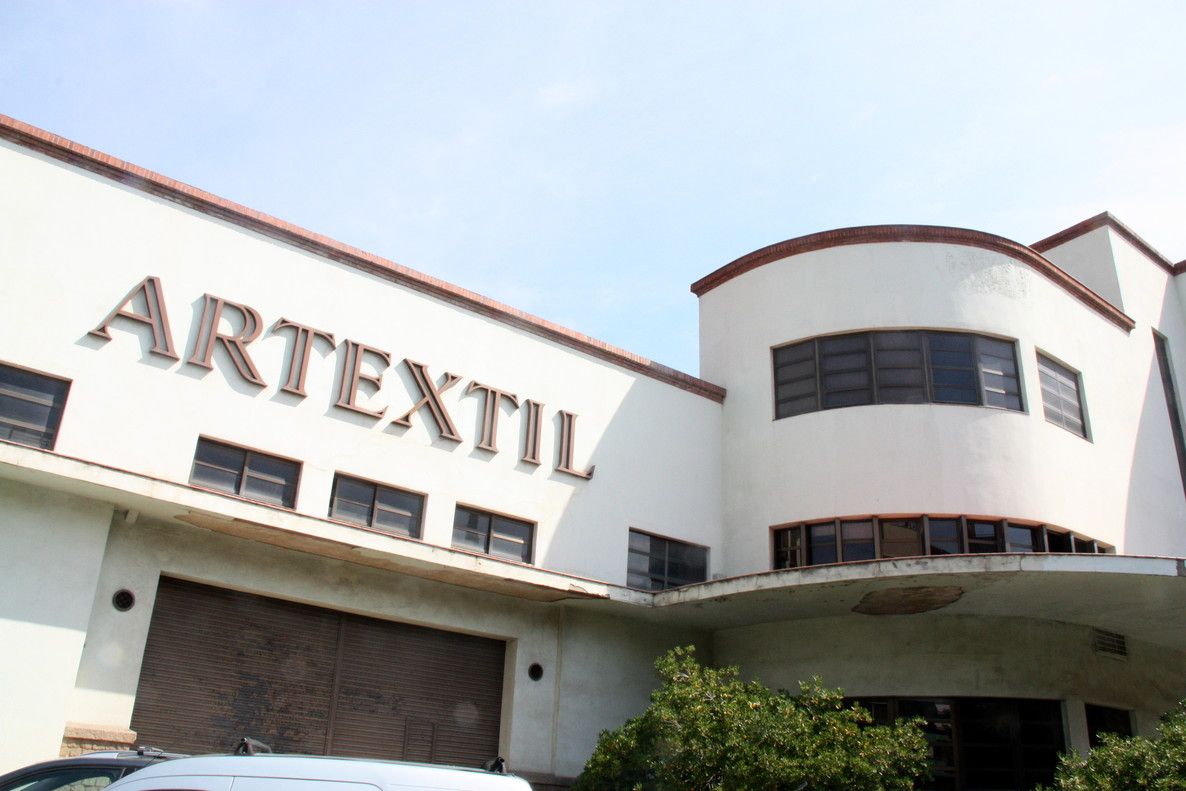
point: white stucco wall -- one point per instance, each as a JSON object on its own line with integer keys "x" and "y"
{"x": 938, "y": 459}
{"x": 53, "y": 548}
{"x": 73, "y": 245}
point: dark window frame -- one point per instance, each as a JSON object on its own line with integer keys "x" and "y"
{"x": 490, "y": 535}
{"x": 1050, "y": 368}
{"x": 377, "y": 488}
{"x": 1165, "y": 367}
{"x": 980, "y": 351}
{"x": 665, "y": 579}
{"x": 47, "y": 438}
{"x": 244, "y": 472}
{"x": 791, "y": 541}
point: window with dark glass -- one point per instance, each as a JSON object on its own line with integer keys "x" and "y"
{"x": 856, "y": 541}
{"x": 1166, "y": 370}
{"x": 901, "y": 538}
{"x": 656, "y": 563}
{"x": 1061, "y": 399}
{"x": 821, "y": 543}
{"x": 982, "y": 536}
{"x": 1104, "y": 719}
{"x": 982, "y": 743}
{"x": 1084, "y": 545}
{"x": 1058, "y": 541}
{"x": 246, "y": 473}
{"x": 895, "y": 367}
{"x": 492, "y": 534}
{"x": 374, "y": 505}
{"x": 1023, "y": 539}
{"x": 946, "y": 536}
{"x": 30, "y": 406}
{"x": 788, "y": 548}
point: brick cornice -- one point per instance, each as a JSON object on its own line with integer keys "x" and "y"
{"x": 880, "y": 234}
{"x": 169, "y": 189}
{"x": 1099, "y": 221}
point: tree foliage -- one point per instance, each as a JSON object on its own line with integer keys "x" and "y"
{"x": 707, "y": 729}
{"x": 1121, "y": 763}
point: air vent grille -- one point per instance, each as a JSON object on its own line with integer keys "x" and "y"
{"x": 1110, "y": 643}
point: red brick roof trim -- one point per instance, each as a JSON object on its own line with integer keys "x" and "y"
{"x": 878, "y": 234}
{"x": 1099, "y": 221}
{"x": 145, "y": 180}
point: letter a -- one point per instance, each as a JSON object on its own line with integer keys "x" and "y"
{"x": 157, "y": 317}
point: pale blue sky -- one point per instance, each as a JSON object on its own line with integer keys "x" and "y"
{"x": 587, "y": 161}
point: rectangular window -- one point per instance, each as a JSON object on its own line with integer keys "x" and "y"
{"x": 953, "y": 368}
{"x": 788, "y": 547}
{"x": 656, "y": 563}
{"x": 1023, "y": 539}
{"x": 901, "y": 368}
{"x": 998, "y": 373}
{"x": 1104, "y": 719}
{"x": 1061, "y": 399}
{"x": 246, "y": 473}
{"x": 794, "y": 380}
{"x": 1171, "y": 401}
{"x": 982, "y": 536}
{"x": 1057, "y": 541}
{"x": 821, "y": 543}
{"x": 1084, "y": 545}
{"x": 382, "y": 507}
{"x": 945, "y": 536}
{"x": 901, "y": 538}
{"x": 492, "y": 534}
{"x": 30, "y": 406}
{"x": 845, "y": 371}
{"x": 856, "y": 540}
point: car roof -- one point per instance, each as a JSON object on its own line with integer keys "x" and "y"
{"x": 100, "y": 758}
{"x": 386, "y": 774}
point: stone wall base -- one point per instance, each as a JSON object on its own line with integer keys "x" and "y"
{"x": 80, "y": 738}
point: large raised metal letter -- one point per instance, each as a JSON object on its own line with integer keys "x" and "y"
{"x": 431, "y": 398}
{"x": 157, "y": 317}
{"x": 235, "y": 345}
{"x": 302, "y": 350}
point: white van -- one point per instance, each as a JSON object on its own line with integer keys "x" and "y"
{"x": 310, "y": 773}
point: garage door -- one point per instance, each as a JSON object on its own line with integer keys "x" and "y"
{"x": 220, "y": 665}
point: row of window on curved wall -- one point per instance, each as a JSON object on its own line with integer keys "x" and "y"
{"x": 820, "y": 542}
{"x": 917, "y": 367}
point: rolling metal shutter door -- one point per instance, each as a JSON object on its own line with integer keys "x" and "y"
{"x": 220, "y": 665}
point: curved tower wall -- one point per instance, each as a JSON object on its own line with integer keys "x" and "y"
{"x": 885, "y": 459}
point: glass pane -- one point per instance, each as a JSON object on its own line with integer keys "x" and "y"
{"x": 857, "y": 538}
{"x": 982, "y": 536}
{"x": 511, "y": 538}
{"x": 847, "y": 398}
{"x": 1085, "y": 545}
{"x": 794, "y": 353}
{"x": 796, "y": 406}
{"x": 901, "y": 538}
{"x": 786, "y": 548}
{"x": 352, "y": 500}
{"x": 686, "y": 563}
{"x": 1023, "y": 539}
{"x": 471, "y": 529}
{"x": 945, "y": 537}
{"x": 398, "y": 511}
{"x": 270, "y": 479}
{"x": 25, "y": 413}
{"x": 821, "y": 543}
{"x": 640, "y": 542}
{"x": 217, "y": 455}
{"x": 1057, "y": 541}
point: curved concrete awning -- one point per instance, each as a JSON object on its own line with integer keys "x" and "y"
{"x": 1141, "y": 597}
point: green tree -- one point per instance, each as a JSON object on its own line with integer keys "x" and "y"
{"x": 1121, "y": 763}
{"x": 707, "y": 729}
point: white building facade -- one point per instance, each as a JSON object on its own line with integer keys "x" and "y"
{"x": 256, "y": 482}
